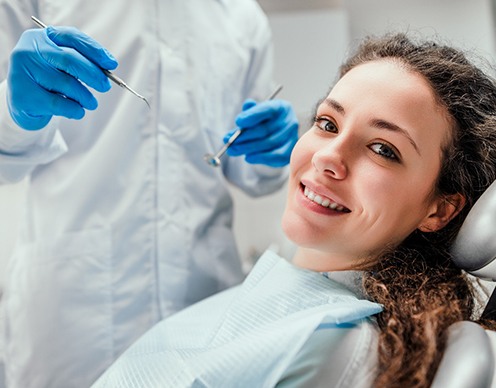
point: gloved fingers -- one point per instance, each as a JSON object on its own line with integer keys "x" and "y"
{"x": 256, "y": 133}
{"x": 250, "y": 141}
{"x": 87, "y": 46}
{"x": 80, "y": 68}
{"x": 35, "y": 48}
{"x": 43, "y": 106}
{"x": 55, "y": 104}
{"x": 69, "y": 61}
{"x": 45, "y": 79}
{"x": 266, "y": 110}
{"x": 270, "y": 131}
{"x": 60, "y": 83}
{"x": 248, "y": 104}
{"x": 63, "y": 106}
{"x": 247, "y": 135}
{"x": 266, "y": 130}
{"x": 278, "y": 157}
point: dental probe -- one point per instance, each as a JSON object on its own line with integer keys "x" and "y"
{"x": 108, "y": 73}
{"x": 214, "y": 160}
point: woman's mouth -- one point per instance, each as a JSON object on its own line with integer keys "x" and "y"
{"x": 323, "y": 201}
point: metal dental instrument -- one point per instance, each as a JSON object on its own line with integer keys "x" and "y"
{"x": 214, "y": 160}
{"x": 108, "y": 73}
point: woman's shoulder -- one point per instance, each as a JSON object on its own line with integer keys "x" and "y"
{"x": 336, "y": 356}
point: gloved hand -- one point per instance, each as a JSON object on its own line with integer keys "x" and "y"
{"x": 270, "y": 131}
{"x": 47, "y": 70}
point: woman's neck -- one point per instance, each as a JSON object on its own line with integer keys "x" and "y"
{"x": 319, "y": 261}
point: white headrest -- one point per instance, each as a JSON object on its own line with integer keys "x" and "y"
{"x": 474, "y": 249}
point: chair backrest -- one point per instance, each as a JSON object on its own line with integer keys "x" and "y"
{"x": 469, "y": 360}
{"x": 475, "y": 247}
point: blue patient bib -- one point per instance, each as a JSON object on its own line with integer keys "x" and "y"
{"x": 243, "y": 337}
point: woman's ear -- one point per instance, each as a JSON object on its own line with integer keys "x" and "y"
{"x": 443, "y": 210}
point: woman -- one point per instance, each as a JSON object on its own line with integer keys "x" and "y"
{"x": 400, "y": 150}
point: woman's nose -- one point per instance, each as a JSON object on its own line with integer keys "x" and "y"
{"x": 331, "y": 159}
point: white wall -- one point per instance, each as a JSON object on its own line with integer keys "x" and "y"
{"x": 467, "y": 24}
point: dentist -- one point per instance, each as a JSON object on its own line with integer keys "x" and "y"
{"x": 124, "y": 223}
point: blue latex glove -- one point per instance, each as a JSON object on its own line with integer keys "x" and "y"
{"x": 47, "y": 70}
{"x": 270, "y": 131}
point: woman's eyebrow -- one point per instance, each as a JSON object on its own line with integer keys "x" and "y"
{"x": 383, "y": 124}
{"x": 335, "y": 105}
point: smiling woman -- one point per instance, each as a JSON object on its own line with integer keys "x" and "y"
{"x": 366, "y": 150}
{"x": 399, "y": 151}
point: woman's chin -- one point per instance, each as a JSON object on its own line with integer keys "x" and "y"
{"x": 291, "y": 228}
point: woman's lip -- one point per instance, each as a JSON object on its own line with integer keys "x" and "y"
{"x": 322, "y": 191}
{"x": 311, "y": 204}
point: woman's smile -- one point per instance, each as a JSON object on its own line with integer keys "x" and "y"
{"x": 320, "y": 202}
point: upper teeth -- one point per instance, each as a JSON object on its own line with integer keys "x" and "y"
{"x": 325, "y": 202}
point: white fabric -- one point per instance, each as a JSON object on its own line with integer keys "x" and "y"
{"x": 247, "y": 336}
{"x": 124, "y": 222}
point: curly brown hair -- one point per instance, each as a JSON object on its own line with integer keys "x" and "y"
{"x": 422, "y": 291}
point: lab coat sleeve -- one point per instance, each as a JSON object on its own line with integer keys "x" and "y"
{"x": 20, "y": 150}
{"x": 256, "y": 180}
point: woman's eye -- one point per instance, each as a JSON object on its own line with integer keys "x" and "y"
{"x": 325, "y": 124}
{"x": 385, "y": 151}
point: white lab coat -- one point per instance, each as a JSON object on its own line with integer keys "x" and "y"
{"x": 124, "y": 222}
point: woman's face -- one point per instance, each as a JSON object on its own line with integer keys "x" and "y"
{"x": 363, "y": 177}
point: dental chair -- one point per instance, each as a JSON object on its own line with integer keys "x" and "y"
{"x": 469, "y": 360}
